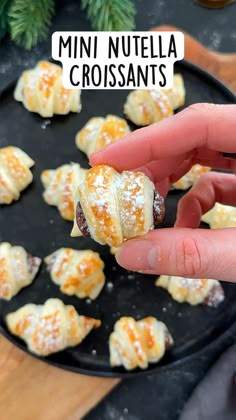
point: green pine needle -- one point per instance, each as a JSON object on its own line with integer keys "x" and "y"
{"x": 29, "y": 21}
{"x": 4, "y": 8}
{"x": 110, "y": 15}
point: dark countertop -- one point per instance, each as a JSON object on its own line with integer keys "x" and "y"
{"x": 163, "y": 395}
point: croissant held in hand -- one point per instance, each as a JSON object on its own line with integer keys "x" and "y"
{"x": 145, "y": 107}
{"x": 15, "y": 174}
{"x": 193, "y": 291}
{"x": 17, "y": 269}
{"x": 100, "y": 132}
{"x": 60, "y": 186}
{"x": 136, "y": 343}
{"x": 51, "y": 327}
{"x": 41, "y": 90}
{"x": 77, "y": 273}
{"x": 112, "y": 207}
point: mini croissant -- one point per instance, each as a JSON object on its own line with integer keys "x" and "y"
{"x": 191, "y": 177}
{"x": 220, "y": 216}
{"x": 112, "y": 207}
{"x": 193, "y": 291}
{"x": 77, "y": 273}
{"x": 136, "y": 343}
{"x": 17, "y": 269}
{"x": 51, "y": 327}
{"x": 60, "y": 187}
{"x": 41, "y": 90}
{"x": 100, "y": 132}
{"x": 15, "y": 174}
{"x": 145, "y": 107}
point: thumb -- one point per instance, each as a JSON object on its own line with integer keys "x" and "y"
{"x": 194, "y": 253}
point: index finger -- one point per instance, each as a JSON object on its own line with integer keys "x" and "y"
{"x": 200, "y": 125}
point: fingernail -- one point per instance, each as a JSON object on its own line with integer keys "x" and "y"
{"x": 139, "y": 255}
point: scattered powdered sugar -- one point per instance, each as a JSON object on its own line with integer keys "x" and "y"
{"x": 132, "y": 209}
{"x": 47, "y": 334}
{"x": 215, "y": 296}
{"x": 99, "y": 181}
{"x": 45, "y": 123}
{"x": 94, "y": 352}
{"x": 162, "y": 101}
{"x": 88, "y": 301}
{"x": 193, "y": 284}
{"x": 110, "y": 286}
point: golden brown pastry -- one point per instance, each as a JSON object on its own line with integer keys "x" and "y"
{"x": 15, "y": 174}
{"x": 17, "y": 269}
{"x": 60, "y": 186}
{"x": 191, "y": 177}
{"x": 193, "y": 291}
{"x": 100, "y": 132}
{"x": 41, "y": 90}
{"x": 112, "y": 207}
{"x": 220, "y": 216}
{"x": 77, "y": 273}
{"x": 145, "y": 107}
{"x": 136, "y": 343}
{"x": 50, "y": 327}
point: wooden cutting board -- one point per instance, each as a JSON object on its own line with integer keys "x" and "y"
{"x": 222, "y": 66}
{"x": 31, "y": 389}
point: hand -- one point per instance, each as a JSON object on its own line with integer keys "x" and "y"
{"x": 166, "y": 151}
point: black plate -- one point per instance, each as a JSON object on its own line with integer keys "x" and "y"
{"x": 39, "y": 228}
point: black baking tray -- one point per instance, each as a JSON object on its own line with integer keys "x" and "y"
{"x": 30, "y": 222}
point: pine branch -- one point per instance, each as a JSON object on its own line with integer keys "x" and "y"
{"x": 29, "y": 21}
{"x": 110, "y": 15}
{"x": 4, "y": 8}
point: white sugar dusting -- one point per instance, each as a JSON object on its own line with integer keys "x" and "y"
{"x": 161, "y": 101}
{"x": 45, "y": 123}
{"x": 215, "y": 297}
{"x": 110, "y": 286}
{"x": 193, "y": 284}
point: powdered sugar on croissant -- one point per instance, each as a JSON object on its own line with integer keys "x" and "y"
{"x": 60, "y": 186}
{"x": 112, "y": 207}
{"x": 15, "y": 174}
{"x": 77, "y": 273}
{"x": 145, "y": 107}
{"x": 100, "y": 132}
{"x": 136, "y": 343}
{"x": 220, "y": 216}
{"x": 193, "y": 291}
{"x": 51, "y": 327}
{"x": 17, "y": 269}
{"x": 191, "y": 177}
{"x": 41, "y": 90}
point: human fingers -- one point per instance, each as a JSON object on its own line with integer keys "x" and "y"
{"x": 198, "y": 126}
{"x": 194, "y": 253}
{"x": 160, "y": 169}
{"x": 211, "y": 187}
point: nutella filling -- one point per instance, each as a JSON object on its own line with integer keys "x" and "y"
{"x": 215, "y": 297}
{"x": 158, "y": 208}
{"x": 81, "y": 221}
{"x": 168, "y": 340}
{"x": 32, "y": 263}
